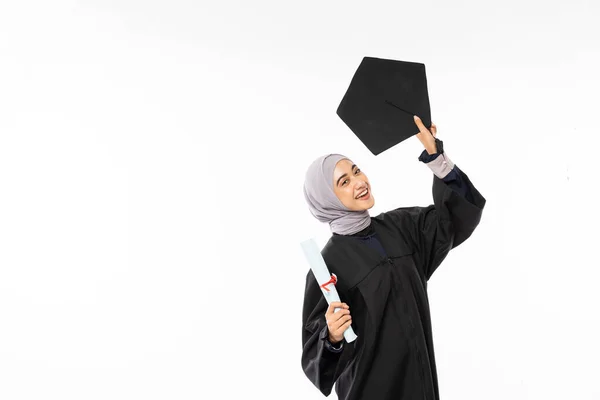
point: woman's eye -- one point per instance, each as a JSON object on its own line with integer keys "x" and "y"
{"x": 358, "y": 170}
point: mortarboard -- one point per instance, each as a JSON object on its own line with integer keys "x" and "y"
{"x": 381, "y": 101}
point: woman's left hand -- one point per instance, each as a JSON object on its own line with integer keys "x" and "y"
{"x": 426, "y": 136}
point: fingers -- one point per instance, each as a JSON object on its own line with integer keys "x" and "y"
{"x": 338, "y": 327}
{"x": 346, "y": 324}
{"x": 433, "y": 129}
{"x": 334, "y": 317}
{"x": 420, "y": 125}
{"x": 338, "y": 321}
{"x": 334, "y": 305}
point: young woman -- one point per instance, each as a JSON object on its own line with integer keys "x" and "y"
{"x": 382, "y": 266}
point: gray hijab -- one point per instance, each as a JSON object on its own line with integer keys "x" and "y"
{"x": 323, "y": 203}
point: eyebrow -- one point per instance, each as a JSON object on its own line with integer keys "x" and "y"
{"x": 344, "y": 175}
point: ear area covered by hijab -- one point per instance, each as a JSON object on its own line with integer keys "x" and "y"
{"x": 324, "y": 204}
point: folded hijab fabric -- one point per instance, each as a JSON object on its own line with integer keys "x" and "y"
{"x": 323, "y": 203}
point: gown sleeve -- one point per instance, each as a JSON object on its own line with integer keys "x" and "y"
{"x": 321, "y": 365}
{"x": 436, "y": 229}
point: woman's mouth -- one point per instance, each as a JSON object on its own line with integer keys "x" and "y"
{"x": 364, "y": 195}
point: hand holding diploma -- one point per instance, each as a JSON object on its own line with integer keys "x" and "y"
{"x": 338, "y": 320}
{"x": 338, "y": 313}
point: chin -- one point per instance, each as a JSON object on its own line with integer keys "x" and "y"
{"x": 367, "y": 206}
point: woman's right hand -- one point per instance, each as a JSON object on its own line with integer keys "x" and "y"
{"x": 337, "y": 322}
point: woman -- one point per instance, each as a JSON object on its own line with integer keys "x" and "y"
{"x": 382, "y": 266}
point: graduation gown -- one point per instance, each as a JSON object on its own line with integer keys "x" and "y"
{"x": 382, "y": 275}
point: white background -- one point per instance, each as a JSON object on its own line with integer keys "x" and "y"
{"x": 152, "y": 155}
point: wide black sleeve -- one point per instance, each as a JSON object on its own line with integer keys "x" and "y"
{"x": 436, "y": 229}
{"x": 320, "y": 365}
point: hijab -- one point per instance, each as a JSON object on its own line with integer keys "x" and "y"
{"x": 324, "y": 204}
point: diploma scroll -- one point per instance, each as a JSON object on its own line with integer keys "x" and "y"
{"x": 322, "y": 275}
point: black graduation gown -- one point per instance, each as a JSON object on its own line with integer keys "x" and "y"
{"x": 393, "y": 356}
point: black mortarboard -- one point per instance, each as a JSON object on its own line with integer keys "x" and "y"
{"x": 381, "y": 101}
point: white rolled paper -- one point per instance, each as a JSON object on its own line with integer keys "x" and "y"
{"x": 322, "y": 275}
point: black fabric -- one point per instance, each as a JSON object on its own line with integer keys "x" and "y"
{"x": 393, "y": 356}
{"x": 334, "y": 347}
{"x": 381, "y": 100}
{"x": 427, "y": 158}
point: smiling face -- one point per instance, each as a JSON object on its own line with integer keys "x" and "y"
{"x": 349, "y": 182}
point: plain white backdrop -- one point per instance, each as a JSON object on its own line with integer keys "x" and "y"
{"x": 152, "y": 156}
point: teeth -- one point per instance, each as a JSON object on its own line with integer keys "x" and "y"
{"x": 363, "y": 194}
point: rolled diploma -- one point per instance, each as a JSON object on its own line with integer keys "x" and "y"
{"x": 322, "y": 275}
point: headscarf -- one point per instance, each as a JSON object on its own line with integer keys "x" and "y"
{"x": 324, "y": 204}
